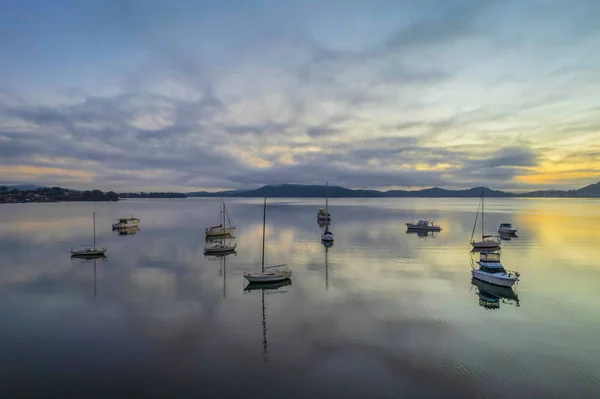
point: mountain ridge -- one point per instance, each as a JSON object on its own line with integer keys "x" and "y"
{"x": 317, "y": 191}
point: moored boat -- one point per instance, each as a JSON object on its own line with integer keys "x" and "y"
{"x": 266, "y": 275}
{"x": 225, "y": 228}
{"x": 323, "y": 215}
{"x": 126, "y": 223}
{"x": 423, "y": 225}
{"x": 491, "y": 271}
{"x": 89, "y": 250}
{"x": 487, "y": 241}
{"x": 327, "y": 235}
{"x": 507, "y": 228}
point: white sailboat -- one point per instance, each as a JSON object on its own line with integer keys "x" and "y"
{"x": 89, "y": 250}
{"x": 327, "y": 235}
{"x": 221, "y": 229}
{"x": 267, "y": 276}
{"x": 219, "y": 247}
{"x": 487, "y": 241}
{"x": 323, "y": 215}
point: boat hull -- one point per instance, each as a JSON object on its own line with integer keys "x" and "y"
{"x": 88, "y": 252}
{"x": 268, "y": 286}
{"x": 500, "y": 279}
{"x": 218, "y": 233}
{"x": 219, "y": 250}
{"x": 507, "y": 231}
{"x": 488, "y": 244}
{"x": 414, "y": 227}
{"x": 267, "y": 277}
{"x": 129, "y": 224}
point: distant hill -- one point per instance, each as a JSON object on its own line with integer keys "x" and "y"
{"x": 152, "y": 195}
{"x": 593, "y": 190}
{"x": 316, "y": 191}
{"x": 227, "y": 193}
{"x": 437, "y": 192}
{"x": 22, "y": 187}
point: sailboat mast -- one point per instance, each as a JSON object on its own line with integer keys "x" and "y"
{"x": 327, "y": 198}
{"x": 222, "y": 213}
{"x": 263, "y": 246}
{"x": 482, "y": 214}
{"x": 94, "y": 217}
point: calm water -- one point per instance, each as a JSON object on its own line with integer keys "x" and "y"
{"x": 382, "y": 313}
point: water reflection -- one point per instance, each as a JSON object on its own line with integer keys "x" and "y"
{"x": 127, "y": 231}
{"x": 327, "y": 245}
{"x": 490, "y": 296}
{"x": 222, "y": 258}
{"x": 508, "y": 236}
{"x": 90, "y": 259}
{"x": 271, "y": 288}
{"x": 399, "y": 314}
{"x": 422, "y": 233}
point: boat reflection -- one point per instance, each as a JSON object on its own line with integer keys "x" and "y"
{"x": 327, "y": 245}
{"x": 272, "y": 288}
{"x": 222, "y": 258}
{"x": 490, "y": 295}
{"x": 507, "y": 236}
{"x": 88, "y": 257}
{"x": 491, "y": 249}
{"x": 92, "y": 260}
{"x": 323, "y": 223}
{"x": 219, "y": 238}
{"x": 127, "y": 231}
{"x": 421, "y": 233}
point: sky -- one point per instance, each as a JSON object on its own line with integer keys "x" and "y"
{"x": 235, "y": 94}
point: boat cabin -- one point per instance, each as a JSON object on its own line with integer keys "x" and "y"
{"x": 489, "y": 257}
{"x": 489, "y": 262}
{"x": 425, "y": 223}
{"x": 506, "y": 226}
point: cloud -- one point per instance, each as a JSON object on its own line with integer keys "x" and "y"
{"x": 415, "y": 94}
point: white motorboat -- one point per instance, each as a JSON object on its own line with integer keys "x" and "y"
{"x": 126, "y": 223}
{"x": 327, "y": 235}
{"x": 217, "y": 247}
{"x": 491, "y": 271}
{"x": 507, "y": 228}
{"x": 266, "y": 275}
{"x": 423, "y": 225}
{"x": 323, "y": 215}
{"x": 487, "y": 241}
{"x": 89, "y": 250}
{"x": 221, "y": 229}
